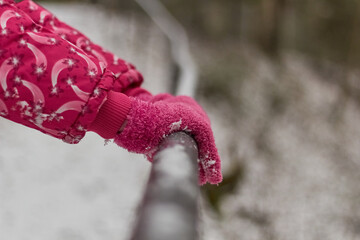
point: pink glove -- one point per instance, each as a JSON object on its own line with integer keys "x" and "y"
{"x": 150, "y": 121}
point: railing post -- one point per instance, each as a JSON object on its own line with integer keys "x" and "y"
{"x": 169, "y": 207}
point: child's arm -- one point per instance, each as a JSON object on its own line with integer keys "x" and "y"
{"x": 126, "y": 75}
{"x": 48, "y": 83}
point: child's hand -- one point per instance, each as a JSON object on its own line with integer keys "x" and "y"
{"x": 150, "y": 121}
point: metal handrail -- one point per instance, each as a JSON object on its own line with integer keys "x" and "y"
{"x": 169, "y": 206}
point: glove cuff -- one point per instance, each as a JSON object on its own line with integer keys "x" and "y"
{"x": 111, "y": 115}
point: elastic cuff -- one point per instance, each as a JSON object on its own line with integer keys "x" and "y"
{"x": 111, "y": 115}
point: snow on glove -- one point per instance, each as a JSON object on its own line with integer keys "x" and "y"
{"x": 148, "y": 122}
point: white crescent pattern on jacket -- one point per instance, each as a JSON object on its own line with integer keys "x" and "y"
{"x": 40, "y": 39}
{"x": 43, "y": 15}
{"x": 39, "y": 55}
{"x": 90, "y": 63}
{"x": 33, "y": 6}
{"x": 57, "y": 68}
{"x": 4, "y": 71}
{"x": 116, "y": 60}
{"x": 71, "y": 106}
{"x": 80, "y": 41}
{"x": 81, "y": 94}
{"x": 36, "y": 92}
{"x": 6, "y": 16}
{"x": 103, "y": 66}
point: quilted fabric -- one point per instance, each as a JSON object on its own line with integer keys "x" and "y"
{"x": 52, "y": 77}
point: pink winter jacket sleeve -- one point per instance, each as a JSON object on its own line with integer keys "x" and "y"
{"x": 126, "y": 76}
{"x": 50, "y": 84}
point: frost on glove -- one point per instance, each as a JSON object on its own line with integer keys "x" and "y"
{"x": 149, "y": 122}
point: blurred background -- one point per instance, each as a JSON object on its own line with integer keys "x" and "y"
{"x": 280, "y": 81}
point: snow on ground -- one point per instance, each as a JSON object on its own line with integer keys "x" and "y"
{"x": 52, "y": 190}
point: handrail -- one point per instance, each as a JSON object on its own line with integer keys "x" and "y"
{"x": 169, "y": 207}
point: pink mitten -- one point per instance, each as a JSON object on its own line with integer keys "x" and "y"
{"x": 150, "y": 121}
